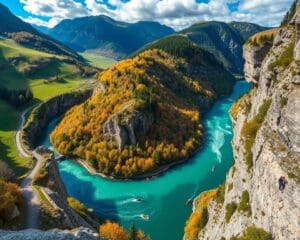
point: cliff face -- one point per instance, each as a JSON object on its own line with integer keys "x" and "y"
{"x": 266, "y": 146}
{"x": 47, "y": 111}
{"x": 79, "y": 233}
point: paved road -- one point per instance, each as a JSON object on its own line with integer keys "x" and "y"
{"x": 32, "y": 200}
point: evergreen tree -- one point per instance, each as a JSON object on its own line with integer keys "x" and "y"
{"x": 132, "y": 232}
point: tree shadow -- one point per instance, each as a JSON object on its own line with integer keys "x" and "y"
{"x": 12, "y": 162}
{"x": 84, "y": 191}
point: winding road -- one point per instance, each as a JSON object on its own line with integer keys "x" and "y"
{"x": 32, "y": 200}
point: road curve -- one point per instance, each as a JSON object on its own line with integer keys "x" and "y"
{"x": 31, "y": 197}
{"x": 18, "y": 143}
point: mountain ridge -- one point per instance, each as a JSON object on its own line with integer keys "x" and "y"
{"x": 13, "y": 27}
{"x": 104, "y": 34}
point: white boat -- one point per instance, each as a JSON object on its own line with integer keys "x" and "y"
{"x": 144, "y": 216}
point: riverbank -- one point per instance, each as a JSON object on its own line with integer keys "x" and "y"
{"x": 146, "y": 176}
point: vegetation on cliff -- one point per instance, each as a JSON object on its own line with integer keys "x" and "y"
{"x": 288, "y": 16}
{"x": 262, "y": 38}
{"x": 250, "y": 129}
{"x": 254, "y": 233}
{"x": 154, "y": 100}
{"x": 200, "y": 216}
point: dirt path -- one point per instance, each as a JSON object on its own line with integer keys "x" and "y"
{"x": 20, "y": 148}
{"x": 32, "y": 200}
{"x": 31, "y": 196}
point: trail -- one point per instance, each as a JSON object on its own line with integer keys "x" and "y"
{"x": 20, "y": 148}
{"x": 30, "y": 195}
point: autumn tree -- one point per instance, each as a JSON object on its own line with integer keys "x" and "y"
{"x": 112, "y": 231}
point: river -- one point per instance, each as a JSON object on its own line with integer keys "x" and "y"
{"x": 163, "y": 198}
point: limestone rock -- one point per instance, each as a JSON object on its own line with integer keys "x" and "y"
{"x": 254, "y": 57}
{"x": 276, "y": 149}
{"x": 33, "y": 234}
{"x": 126, "y": 126}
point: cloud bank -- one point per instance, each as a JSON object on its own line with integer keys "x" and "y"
{"x": 175, "y": 13}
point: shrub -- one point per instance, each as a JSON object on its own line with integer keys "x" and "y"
{"x": 285, "y": 59}
{"x": 204, "y": 218}
{"x": 254, "y": 233}
{"x": 250, "y": 130}
{"x": 230, "y": 187}
{"x": 230, "y": 209}
{"x": 244, "y": 205}
{"x": 220, "y": 195}
{"x": 200, "y": 216}
{"x": 283, "y": 101}
{"x": 77, "y": 206}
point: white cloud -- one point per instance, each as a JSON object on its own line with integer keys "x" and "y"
{"x": 35, "y": 21}
{"x": 175, "y": 13}
{"x": 56, "y": 10}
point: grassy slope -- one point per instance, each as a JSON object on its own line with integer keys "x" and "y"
{"x": 9, "y": 120}
{"x": 97, "y": 60}
{"x": 12, "y": 79}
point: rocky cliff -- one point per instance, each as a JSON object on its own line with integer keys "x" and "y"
{"x": 32, "y": 234}
{"x": 266, "y": 146}
{"x": 47, "y": 111}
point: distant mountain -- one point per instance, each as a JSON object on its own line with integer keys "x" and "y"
{"x": 246, "y": 29}
{"x": 23, "y": 33}
{"x": 41, "y": 29}
{"x": 224, "y": 40}
{"x": 107, "y": 36}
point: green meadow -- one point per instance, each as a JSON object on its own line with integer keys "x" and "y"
{"x": 97, "y": 60}
{"x": 12, "y": 77}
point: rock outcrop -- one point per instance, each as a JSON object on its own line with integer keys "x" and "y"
{"x": 266, "y": 146}
{"x": 125, "y": 127}
{"x": 33, "y": 234}
{"x": 253, "y": 60}
{"x": 47, "y": 111}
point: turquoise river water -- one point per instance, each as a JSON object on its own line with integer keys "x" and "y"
{"x": 163, "y": 198}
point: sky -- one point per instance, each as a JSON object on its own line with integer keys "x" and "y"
{"x": 178, "y": 14}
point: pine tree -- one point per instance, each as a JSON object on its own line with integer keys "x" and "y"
{"x": 132, "y": 232}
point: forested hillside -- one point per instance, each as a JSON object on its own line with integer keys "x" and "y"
{"x": 224, "y": 40}
{"x": 157, "y": 120}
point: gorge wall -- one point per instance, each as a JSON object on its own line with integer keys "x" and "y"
{"x": 33, "y": 234}
{"x": 47, "y": 111}
{"x": 266, "y": 146}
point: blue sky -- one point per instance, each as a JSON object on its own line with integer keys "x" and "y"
{"x": 175, "y": 13}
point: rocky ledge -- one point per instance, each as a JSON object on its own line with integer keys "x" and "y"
{"x": 33, "y": 234}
